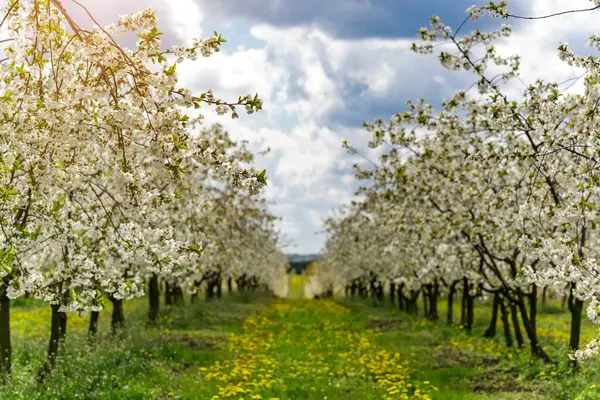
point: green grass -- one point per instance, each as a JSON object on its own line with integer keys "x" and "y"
{"x": 146, "y": 362}
{"x": 468, "y": 366}
{"x": 292, "y": 349}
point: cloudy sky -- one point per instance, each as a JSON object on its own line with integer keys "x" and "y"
{"x": 322, "y": 67}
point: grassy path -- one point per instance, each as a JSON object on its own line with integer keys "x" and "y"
{"x": 306, "y": 349}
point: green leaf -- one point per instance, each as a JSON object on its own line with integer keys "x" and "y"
{"x": 171, "y": 70}
{"x": 195, "y": 249}
{"x": 261, "y": 177}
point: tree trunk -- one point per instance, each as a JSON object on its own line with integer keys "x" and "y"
{"x": 153, "y": 298}
{"x": 117, "y": 321}
{"x": 93, "y": 328}
{"x": 517, "y": 326}
{"x": 469, "y": 305}
{"x": 413, "y": 305}
{"x": 57, "y": 326}
{"x": 362, "y": 290}
{"x": 450, "y": 312}
{"x": 463, "y": 306}
{"x": 63, "y": 326}
{"x": 505, "y": 324}
{"x": 229, "y": 286}
{"x": 490, "y": 332}
{"x": 425, "y": 304}
{"x": 544, "y": 295}
{"x": 392, "y": 292}
{"x": 470, "y": 312}
{"x": 400, "y": 295}
{"x": 168, "y": 294}
{"x": 178, "y": 296}
{"x": 379, "y": 291}
{"x": 5, "y": 345}
{"x": 219, "y": 289}
{"x": 529, "y": 321}
{"x": 210, "y": 286}
{"x": 575, "y": 307}
{"x": 434, "y": 295}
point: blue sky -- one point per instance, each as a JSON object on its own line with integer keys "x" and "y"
{"x": 350, "y": 19}
{"x": 323, "y": 67}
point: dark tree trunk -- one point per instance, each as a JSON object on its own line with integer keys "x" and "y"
{"x": 229, "y": 286}
{"x": 517, "y": 326}
{"x": 450, "y": 312}
{"x": 5, "y": 345}
{"x": 63, "y": 326}
{"x": 463, "y": 306}
{"x": 153, "y": 298}
{"x": 117, "y": 321}
{"x": 93, "y": 328}
{"x": 529, "y": 322}
{"x": 434, "y": 294}
{"x": 468, "y": 300}
{"x": 362, "y": 290}
{"x": 505, "y": 324}
{"x": 168, "y": 294}
{"x": 57, "y": 326}
{"x": 55, "y": 334}
{"x": 470, "y": 312}
{"x": 544, "y": 295}
{"x": 413, "y": 306}
{"x": 380, "y": 294}
{"x": 400, "y": 298}
{"x": 178, "y": 296}
{"x": 490, "y": 332}
{"x": 576, "y": 308}
{"x": 425, "y": 304}
{"x": 210, "y": 289}
{"x": 392, "y": 292}
{"x": 219, "y": 289}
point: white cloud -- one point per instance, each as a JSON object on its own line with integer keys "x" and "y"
{"x": 186, "y": 19}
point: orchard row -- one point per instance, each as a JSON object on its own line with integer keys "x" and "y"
{"x": 109, "y": 184}
{"x": 489, "y": 195}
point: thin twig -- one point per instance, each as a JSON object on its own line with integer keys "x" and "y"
{"x": 555, "y": 14}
